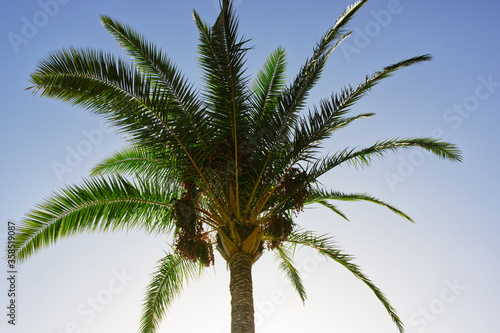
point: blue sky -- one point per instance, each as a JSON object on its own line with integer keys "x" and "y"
{"x": 440, "y": 273}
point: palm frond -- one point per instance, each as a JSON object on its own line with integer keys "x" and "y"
{"x": 326, "y": 247}
{"x": 99, "y": 204}
{"x": 165, "y": 74}
{"x": 293, "y": 97}
{"x": 328, "y": 205}
{"x": 139, "y": 161}
{"x": 365, "y": 156}
{"x": 284, "y": 258}
{"x": 321, "y": 195}
{"x": 222, "y": 59}
{"x": 311, "y": 71}
{"x": 108, "y": 86}
{"x": 310, "y": 133}
{"x": 320, "y": 124}
{"x": 166, "y": 284}
{"x": 190, "y": 127}
{"x": 278, "y": 125}
{"x": 268, "y": 84}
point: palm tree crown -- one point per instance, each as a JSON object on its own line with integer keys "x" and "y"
{"x": 225, "y": 167}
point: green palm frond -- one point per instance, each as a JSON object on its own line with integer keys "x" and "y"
{"x": 222, "y": 60}
{"x": 99, "y": 204}
{"x": 328, "y": 205}
{"x": 165, "y": 74}
{"x": 365, "y": 156}
{"x": 277, "y": 126}
{"x": 321, "y": 195}
{"x": 190, "y": 125}
{"x": 294, "y": 97}
{"x": 139, "y": 161}
{"x": 268, "y": 85}
{"x": 320, "y": 124}
{"x": 108, "y": 86}
{"x": 326, "y": 247}
{"x": 284, "y": 257}
{"x": 166, "y": 284}
{"x": 310, "y": 134}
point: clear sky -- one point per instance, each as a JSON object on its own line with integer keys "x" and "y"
{"x": 440, "y": 273}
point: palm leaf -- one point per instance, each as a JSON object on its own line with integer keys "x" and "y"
{"x": 310, "y": 133}
{"x": 321, "y": 196}
{"x": 319, "y": 124}
{"x": 99, "y": 204}
{"x": 222, "y": 59}
{"x": 139, "y": 161}
{"x": 166, "y": 75}
{"x": 165, "y": 285}
{"x": 365, "y": 156}
{"x": 284, "y": 258}
{"x": 326, "y": 247}
{"x": 268, "y": 84}
{"x": 311, "y": 71}
{"x": 293, "y": 97}
{"x": 328, "y": 205}
{"x": 108, "y": 86}
{"x": 192, "y": 126}
{"x": 278, "y": 125}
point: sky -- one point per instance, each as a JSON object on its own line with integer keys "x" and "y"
{"x": 440, "y": 273}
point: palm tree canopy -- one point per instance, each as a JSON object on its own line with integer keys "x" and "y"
{"x": 225, "y": 166}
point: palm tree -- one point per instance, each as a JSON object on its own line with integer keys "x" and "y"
{"x": 225, "y": 167}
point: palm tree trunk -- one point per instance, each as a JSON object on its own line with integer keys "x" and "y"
{"x": 240, "y": 286}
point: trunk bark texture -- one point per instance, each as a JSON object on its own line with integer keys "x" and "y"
{"x": 240, "y": 286}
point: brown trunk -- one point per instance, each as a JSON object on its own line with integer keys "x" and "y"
{"x": 240, "y": 286}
